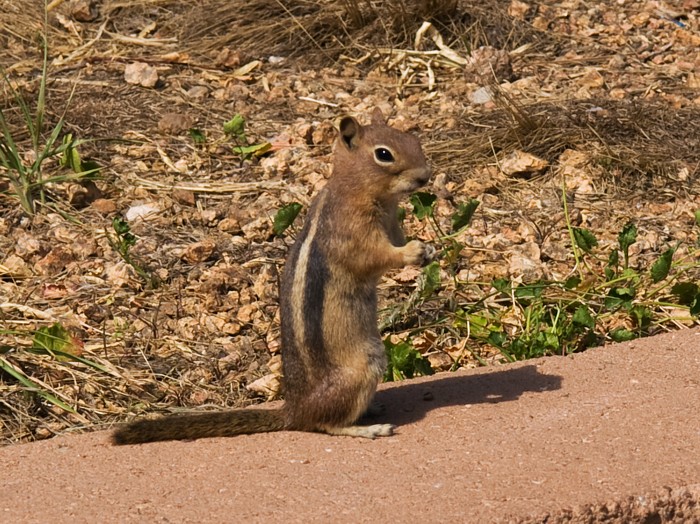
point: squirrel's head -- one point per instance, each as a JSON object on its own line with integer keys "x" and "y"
{"x": 384, "y": 160}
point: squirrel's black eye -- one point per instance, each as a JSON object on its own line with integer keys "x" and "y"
{"x": 383, "y": 154}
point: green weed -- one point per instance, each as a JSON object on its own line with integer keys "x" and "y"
{"x": 122, "y": 242}
{"x": 52, "y": 341}
{"x": 604, "y": 299}
{"x": 235, "y": 130}
{"x": 404, "y": 361}
{"x": 26, "y": 170}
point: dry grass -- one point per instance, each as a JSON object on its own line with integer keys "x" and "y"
{"x": 322, "y": 31}
{"x": 643, "y": 146}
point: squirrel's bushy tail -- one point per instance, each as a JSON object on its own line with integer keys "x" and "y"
{"x": 200, "y": 425}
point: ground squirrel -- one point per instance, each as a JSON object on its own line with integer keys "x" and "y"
{"x": 332, "y": 354}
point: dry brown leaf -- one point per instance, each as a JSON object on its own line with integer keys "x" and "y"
{"x": 522, "y": 163}
{"x": 407, "y": 274}
{"x": 199, "y": 252}
{"x": 104, "y": 206}
{"x": 55, "y": 261}
{"x": 140, "y": 73}
{"x": 518, "y": 9}
{"x": 173, "y": 123}
{"x": 268, "y": 386}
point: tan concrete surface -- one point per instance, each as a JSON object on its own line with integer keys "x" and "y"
{"x": 613, "y": 431}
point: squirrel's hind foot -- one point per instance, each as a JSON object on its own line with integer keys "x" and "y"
{"x": 371, "y": 432}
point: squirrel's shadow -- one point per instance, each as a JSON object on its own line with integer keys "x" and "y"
{"x": 410, "y": 402}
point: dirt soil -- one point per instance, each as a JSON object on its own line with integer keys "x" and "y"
{"x": 609, "y": 435}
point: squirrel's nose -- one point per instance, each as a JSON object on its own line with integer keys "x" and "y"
{"x": 424, "y": 175}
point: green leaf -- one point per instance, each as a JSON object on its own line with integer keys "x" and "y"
{"x": 120, "y": 226}
{"x": 585, "y": 239}
{"x": 65, "y": 159}
{"x": 71, "y": 154}
{"x": 613, "y": 262}
{"x": 197, "y": 136}
{"x": 128, "y": 239}
{"x": 582, "y": 317}
{"x": 502, "y": 285}
{"x": 497, "y": 339}
{"x": 529, "y": 290}
{"x": 572, "y": 282}
{"x": 686, "y": 292}
{"x": 254, "y": 150}
{"x": 630, "y": 275}
{"x": 404, "y": 361}
{"x": 622, "y": 335}
{"x": 422, "y": 366}
{"x": 550, "y": 341}
{"x": 285, "y": 217}
{"x": 642, "y": 316}
{"x": 54, "y": 338}
{"x": 626, "y": 238}
{"x": 619, "y": 297}
{"x": 423, "y": 204}
{"x": 236, "y": 127}
{"x": 660, "y": 268}
{"x": 476, "y": 324}
{"x": 464, "y": 214}
{"x": 125, "y": 239}
{"x": 695, "y": 306}
{"x": 429, "y": 280}
{"x": 697, "y": 217}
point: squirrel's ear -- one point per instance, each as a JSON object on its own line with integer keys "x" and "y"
{"x": 350, "y": 131}
{"x": 378, "y": 118}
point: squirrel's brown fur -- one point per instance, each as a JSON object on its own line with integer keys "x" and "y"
{"x": 332, "y": 354}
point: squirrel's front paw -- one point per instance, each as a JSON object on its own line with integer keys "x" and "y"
{"x": 417, "y": 253}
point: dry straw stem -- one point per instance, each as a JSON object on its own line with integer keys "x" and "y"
{"x": 235, "y": 187}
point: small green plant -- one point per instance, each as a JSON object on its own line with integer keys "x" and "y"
{"x": 197, "y": 136}
{"x": 26, "y": 172}
{"x": 122, "y": 242}
{"x": 606, "y": 298}
{"x": 612, "y": 300}
{"x": 52, "y": 341}
{"x": 549, "y": 322}
{"x": 235, "y": 130}
{"x": 424, "y": 208}
{"x": 404, "y": 361}
{"x": 430, "y": 280}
